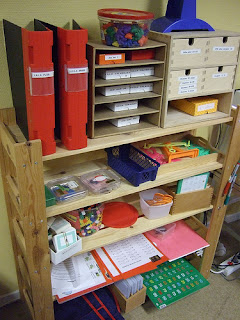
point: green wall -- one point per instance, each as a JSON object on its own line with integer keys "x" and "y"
{"x": 221, "y": 14}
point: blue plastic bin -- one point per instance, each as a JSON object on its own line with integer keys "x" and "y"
{"x": 132, "y": 164}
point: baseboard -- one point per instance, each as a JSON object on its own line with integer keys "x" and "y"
{"x": 9, "y": 298}
{"x": 232, "y": 217}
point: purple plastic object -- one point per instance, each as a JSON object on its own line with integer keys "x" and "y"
{"x": 180, "y": 16}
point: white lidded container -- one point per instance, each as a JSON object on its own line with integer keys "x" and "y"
{"x": 153, "y": 212}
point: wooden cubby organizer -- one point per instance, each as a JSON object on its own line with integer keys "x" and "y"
{"x": 198, "y": 63}
{"x": 149, "y": 108}
{"x": 25, "y": 171}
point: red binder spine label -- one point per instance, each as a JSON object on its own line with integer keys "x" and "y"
{"x": 39, "y": 88}
{"x": 41, "y": 82}
{"x": 76, "y": 78}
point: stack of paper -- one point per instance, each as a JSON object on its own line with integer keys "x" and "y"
{"x": 130, "y": 286}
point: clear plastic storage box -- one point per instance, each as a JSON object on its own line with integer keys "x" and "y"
{"x": 101, "y": 181}
{"x": 124, "y": 28}
{"x": 68, "y": 188}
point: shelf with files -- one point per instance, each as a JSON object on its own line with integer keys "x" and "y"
{"x": 144, "y": 87}
{"x": 23, "y": 169}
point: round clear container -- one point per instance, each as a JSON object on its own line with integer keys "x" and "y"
{"x": 124, "y": 28}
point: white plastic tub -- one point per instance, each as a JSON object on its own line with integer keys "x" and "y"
{"x": 153, "y": 212}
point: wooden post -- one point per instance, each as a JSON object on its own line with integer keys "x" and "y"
{"x": 28, "y": 227}
{"x": 219, "y": 209}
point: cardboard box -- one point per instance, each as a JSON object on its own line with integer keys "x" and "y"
{"x": 141, "y": 87}
{"x": 196, "y": 106}
{"x": 125, "y": 121}
{"x": 113, "y": 74}
{"x": 115, "y": 90}
{"x": 125, "y": 105}
{"x": 112, "y": 58}
{"x": 57, "y": 257}
{"x": 142, "y": 72}
{"x": 189, "y": 201}
{"x": 141, "y": 54}
{"x": 134, "y": 301}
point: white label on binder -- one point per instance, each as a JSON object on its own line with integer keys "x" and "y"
{"x": 113, "y": 57}
{"x": 219, "y": 75}
{"x": 191, "y": 51}
{"x": 188, "y": 78}
{"x": 77, "y": 70}
{"x": 47, "y": 74}
{"x": 223, "y": 48}
{"x": 207, "y": 106}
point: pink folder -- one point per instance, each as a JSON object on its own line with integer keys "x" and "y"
{"x": 181, "y": 242}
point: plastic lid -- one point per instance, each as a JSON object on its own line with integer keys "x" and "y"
{"x": 101, "y": 181}
{"x": 67, "y": 188}
{"x": 125, "y": 14}
{"x": 119, "y": 214}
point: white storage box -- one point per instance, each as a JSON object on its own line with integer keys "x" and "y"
{"x": 125, "y": 121}
{"x": 113, "y": 74}
{"x": 153, "y": 212}
{"x": 113, "y": 91}
{"x": 141, "y": 87}
{"x": 142, "y": 72}
{"x": 57, "y": 257}
{"x": 122, "y": 106}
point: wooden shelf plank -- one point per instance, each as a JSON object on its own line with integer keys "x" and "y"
{"x": 111, "y": 235}
{"x": 176, "y": 117}
{"x": 107, "y": 129}
{"x": 99, "y": 99}
{"x": 103, "y": 113}
{"x": 166, "y": 174}
{"x": 129, "y": 63}
{"x": 106, "y": 142}
{"x": 106, "y": 83}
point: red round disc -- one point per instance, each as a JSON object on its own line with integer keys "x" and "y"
{"x": 119, "y": 215}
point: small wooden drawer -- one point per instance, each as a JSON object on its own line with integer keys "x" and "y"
{"x": 185, "y": 83}
{"x": 222, "y": 51}
{"x": 219, "y": 79}
{"x": 188, "y": 53}
{"x": 189, "y": 201}
{"x": 134, "y": 301}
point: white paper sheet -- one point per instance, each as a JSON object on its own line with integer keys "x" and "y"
{"x": 107, "y": 262}
{"x": 132, "y": 253}
{"x": 76, "y": 274}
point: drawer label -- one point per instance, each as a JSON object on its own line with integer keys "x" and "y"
{"x": 113, "y": 57}
{"x": 219, "y": 75}
{"x": 188, "y": 78}
{"x": 223, "y": 48}
{"x": 207, "y": 106}
{"x": 187, "y": 91}
{"x": 191, "y": 51}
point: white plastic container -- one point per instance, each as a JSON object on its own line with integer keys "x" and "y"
{"x": 153, "y": 212}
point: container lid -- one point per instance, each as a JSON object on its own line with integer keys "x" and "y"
{"x": 67, "y": 188}
{"x": 101, "y": 181}
{"x": 125, "y": 14}
{"x": 119, "y": 214}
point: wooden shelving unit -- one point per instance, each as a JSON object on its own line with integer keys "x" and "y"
{"x": 25, "y": 171}
{"x": 99, "y": 126}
